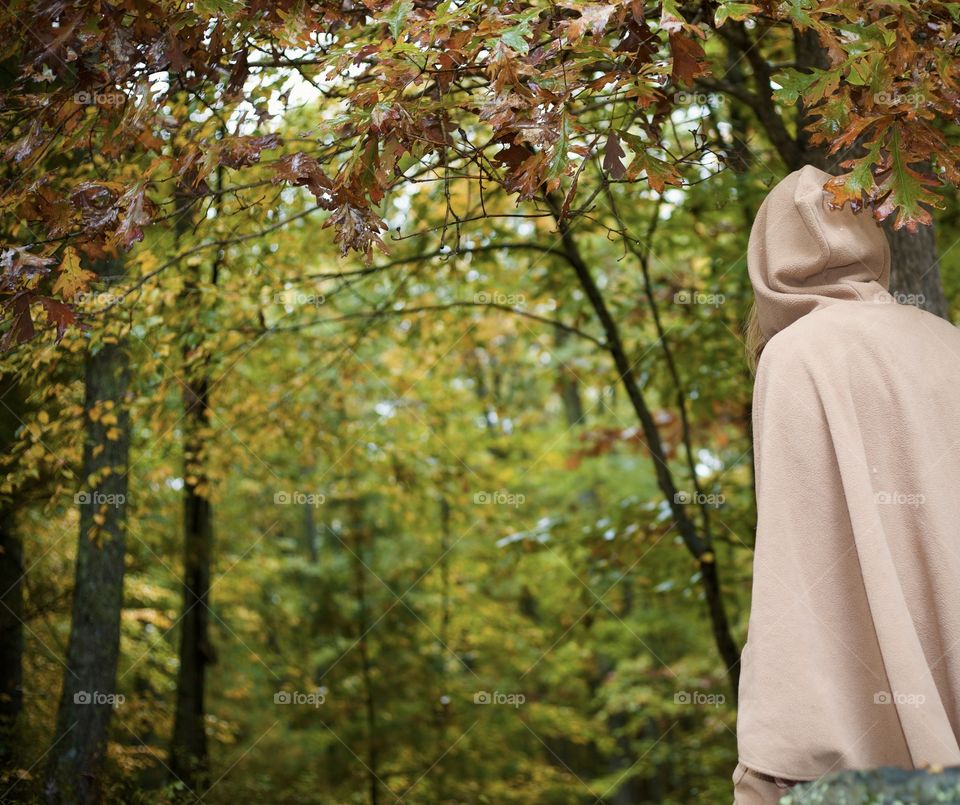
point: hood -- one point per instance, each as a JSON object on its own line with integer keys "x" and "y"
{"x": 804, "y": 255}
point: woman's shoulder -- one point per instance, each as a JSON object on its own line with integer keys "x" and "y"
{"x": 854, "y": 333}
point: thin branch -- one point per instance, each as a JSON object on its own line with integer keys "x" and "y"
{"x": 427, "y": 309}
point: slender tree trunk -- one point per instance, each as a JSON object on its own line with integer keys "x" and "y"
{"x": 11, "y": 587}
{"x": 442, "y": 720}
{"x": 79, "y": 745}
{"x": 569, "y": 387}
{"x": 310, "y": 539}
{"x": 189, "y": 747}
{"x": 361, "y": 547}
{"x": 809, "y": 54}
{"x": 11, "y": 637}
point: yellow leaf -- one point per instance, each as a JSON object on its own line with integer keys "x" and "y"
{"x": 72, "y": 279}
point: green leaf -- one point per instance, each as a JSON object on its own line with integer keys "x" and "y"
{"x": 859, "y": 183}
{"x": 907, "y": 190}
{"x": 793, "y": 84}
{"x": 862, "y": 71}
{"x": 396, "y": 16}
{"x": 558, "y": 161}
{"x": 734, "y": 11}
{"x": 513, "y": 39}
{"x": 214, "y": 7}
{"x": 797, "y": 12}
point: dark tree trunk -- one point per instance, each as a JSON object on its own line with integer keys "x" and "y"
{"x": 79, "y": 745}
{"x": 188, "y": 748}
{"x": 310, "y": 537}
{"x": 188, "y": 759}
{"x": 11, "y": 586}
{"x": 914, "y": 260}
{"x": 915, "y": 269}
{"x": 915, "y": 276}
{"x": 809, "y": 53}
{"x": 569, "y": 387}
{"x": 11, "y": 637}
{"x": 362, "y": 551}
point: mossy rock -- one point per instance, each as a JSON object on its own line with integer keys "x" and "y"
{"x": 886, "y": 786}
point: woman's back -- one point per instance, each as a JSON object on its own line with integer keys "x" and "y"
{"x": 852, "y": 653}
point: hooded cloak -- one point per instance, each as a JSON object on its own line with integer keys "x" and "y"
{"x": 852, "y": 657}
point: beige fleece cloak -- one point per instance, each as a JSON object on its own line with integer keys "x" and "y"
{"x": 853, "y": 651}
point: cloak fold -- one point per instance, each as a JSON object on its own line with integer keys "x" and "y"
{"x": 852, "y": 657}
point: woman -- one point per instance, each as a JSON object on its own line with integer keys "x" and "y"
{"x": 852, "y": 659}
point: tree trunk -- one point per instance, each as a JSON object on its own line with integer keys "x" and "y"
{"x": 915, "y": 275}
{"x": 188, "y": 757}
{"x": 914, "y": 260}
{"x": 11, "y": 586}
{"x": 11, "y": 637}
{"x": 363, "y": 546}
{"x": 915, "y": 269}
{"x": 809, "y": 54}
{"x": 568, "y": 386}
{"x": 310, "y": 537}
{"x": 79, "y": 745}
{"x": 188, "y": 748}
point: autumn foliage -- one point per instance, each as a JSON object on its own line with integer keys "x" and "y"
{"x": 98, "y": 146}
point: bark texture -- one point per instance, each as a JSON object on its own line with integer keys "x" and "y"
{"x": 189, "y": 747}
{"x": 79, "y": 745}
{"x": 11, "y": 585}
